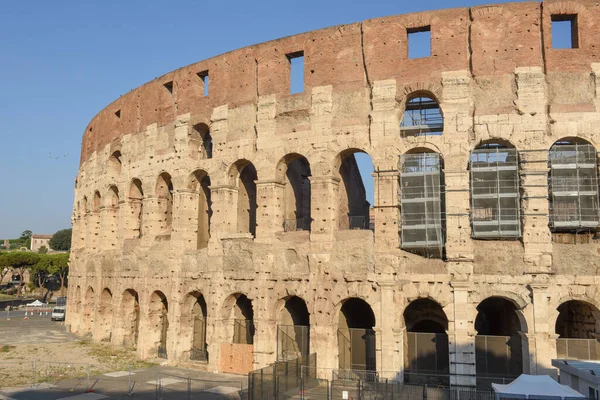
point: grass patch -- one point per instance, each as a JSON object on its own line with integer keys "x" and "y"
{"x": 6, "y": 348}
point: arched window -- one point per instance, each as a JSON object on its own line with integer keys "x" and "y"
{"x": 136, "y": 197}
{"x": 243, "y": 175}
{"x": 202, "y": 140}
{"x": 200, "y": 182}
{"x": 356, "y": 338}
{"x": 422, "y": 203}
{"x": 114, "y": 162}
{"x": 356, "y": 190}
{"x": 495, "y": 206}
{"x": 294, "y": 171}
{"x": 164, "y": 193}
{"x": 422, "y": 117}
{"x": 573, "y": 186}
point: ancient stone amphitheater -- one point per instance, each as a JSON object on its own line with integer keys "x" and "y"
{"x": 226, "y": 226}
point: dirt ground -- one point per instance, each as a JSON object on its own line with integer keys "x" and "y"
{"x": 35, "y": 350}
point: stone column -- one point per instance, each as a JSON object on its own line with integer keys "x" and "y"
{"x": 389, "y": 355}
{"x": 459, "y": 245}
{"x": 461, "y": 338}
{"x": 324, "y": 207}
{"x": 269, "y": 213}
{"x": 185, "y": 221}
{"x": 387, "y": 211}
{"x": 108, "y": 228}
{"x": 542, "y": 340}
{"x": 224, "y": 208}
{"x": 121, "y": 218}
{"x": 94, "y": 230}
{"x": 150, "y": 219}
{"x": 133, "y": 217}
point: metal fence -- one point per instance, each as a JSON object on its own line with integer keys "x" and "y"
{"x": 578, "y": 349}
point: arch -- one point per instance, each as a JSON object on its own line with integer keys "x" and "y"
{"x": 136, "y": 205}
{"x": 293, "y": 337}
{"x": 422, "y": 115}
{"x": 422, "y": 202}
{"x": 130, "y": 311}
{"x": 115, "y": 162}
{"x": 495, "y": 192}
{"x": 193, "y": 325}
{"x": 113, "y": 196}
{"x": 240, "y": 312}
{"x": 499, "y": 348}
{"x": 105, "y": 313}
{"x": 355, "y": 187}
{"x": 164, "y": 195}
{"x": 84, "y": 205}
{"x": 97, "y": 202}
{"x": 158, "y": 318}
{"x": 88, "y": 312}
{"x": 294, "y": 171}
{"x": 573, "y": 186}
{"x": 426, "y": 355}
{"x": 577, "y": 319}
{"x": 202, "y": 140}
{"x": 356, "y": 337}
{"x": 243, "y": 175}
{"x": 199, "y": 182}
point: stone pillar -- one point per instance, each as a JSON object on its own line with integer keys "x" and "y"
{"x": 532, "y": 123}
{"x": 542, "y": 340}
{"x": 324, "y": 207}
{"x": 389, "y": 355}
{"x": 265, "y": 341}
{"x": 224, "y": 208}
{"x": 461, "y": 338}
{"x": 108, "y": 228}
{"x": 132, "y": 218}
{"x": 185, "y": 221}
{"x": 269, "y": 213}
{"x": 387, "y": 211}
{"x": 94, "y": 230}
{"x": 150, "y": 219}
{"x": 121, "y": 218}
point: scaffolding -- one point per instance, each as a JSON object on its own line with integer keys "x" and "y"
{"x": 422, "y": 117}
{"x": 573, "y": 187}
{"x": 495, "y": 209}
{"x": 421, "y": 204}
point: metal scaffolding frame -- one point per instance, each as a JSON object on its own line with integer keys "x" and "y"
{"x": 422, "y": 117}
{"x": 573, "y": 187}
{"x": 495, "y": 206}
{"x": 421, "y": 204}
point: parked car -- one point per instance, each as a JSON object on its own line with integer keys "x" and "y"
{"x": 58, "y": 314}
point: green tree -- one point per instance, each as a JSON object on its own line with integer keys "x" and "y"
{"x": 40, "y": 271}
{"x": 61, "y": 241}
{"x": 19, "y": 261}
{"x": 26, "y": 235}
{"x": 59, "y": 266}
{"x": 43, "y": 250}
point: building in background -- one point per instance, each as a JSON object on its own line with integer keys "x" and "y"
{"x": 38, "y": 241}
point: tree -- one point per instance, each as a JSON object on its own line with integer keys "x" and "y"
{"x": 40, "y": 271}
{"x": 19, "y": 261}
{"x": 60, "y": 266}
{"x": 61, "y": 241}
{"x": 26, "y": 235}
{"x": 43, "y": 250}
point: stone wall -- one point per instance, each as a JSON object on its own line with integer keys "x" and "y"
{"x": 150, "y": 225}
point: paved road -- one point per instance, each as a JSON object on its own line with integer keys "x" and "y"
{"x": 35, "y": 329}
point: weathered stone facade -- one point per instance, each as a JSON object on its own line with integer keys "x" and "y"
{"x": 164, "y": 216}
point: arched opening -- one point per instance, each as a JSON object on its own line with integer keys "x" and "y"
{"x": 243, "y": 320}
{"x": 158, "y": 317}
{"x": 573, "y": 186}
{"x": 426, "y": 351}
{"x": 294, "y": 171}
{"x": 355, "y": 190}
{"x": 164, "y": 194}
{"x": 495, "y": 204}
{"x": 136, "y": 205}
{"x": 130, "y": 308}
{"x": 115, "y": 162}
{"x": 105, "y": 313}
{"x": 422, "y": 203}
{"x": 293, "y": 331}
{"x": 83, "y": 221}
{"x": 200, "y": 182}
{"x": 195, "y": 318}
{"x": 577, "y": 326}
{"x": 88, "y": 312}
{"x": 113, "y": 216}
{"x": 356, "y": 337}
{"x": 422, "y": 116}
{"x": 498, "y": 344}
{"x": 97, "y": 202}
{"x": 201, "y": 141}
{"x": 113, "y": 192}
{"x": 244, "y": 176}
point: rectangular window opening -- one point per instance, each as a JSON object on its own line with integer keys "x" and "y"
{"x": 296, "y": 61}
{"x": 204, "y": 79}
{"x": 565, "y": 33}
{"x": 419, "y": 42}
{"x": 169, "y": 86}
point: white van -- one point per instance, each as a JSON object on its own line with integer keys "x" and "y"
{"x": 58, "y": 314}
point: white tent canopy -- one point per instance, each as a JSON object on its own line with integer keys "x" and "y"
{"x": 36, "y": 303}
{"x": 532, "y": 386}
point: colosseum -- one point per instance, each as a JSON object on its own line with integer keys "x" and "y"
{"x": 226, "y": 226}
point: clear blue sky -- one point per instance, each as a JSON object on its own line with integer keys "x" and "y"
{"x": 62, "y": 61}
